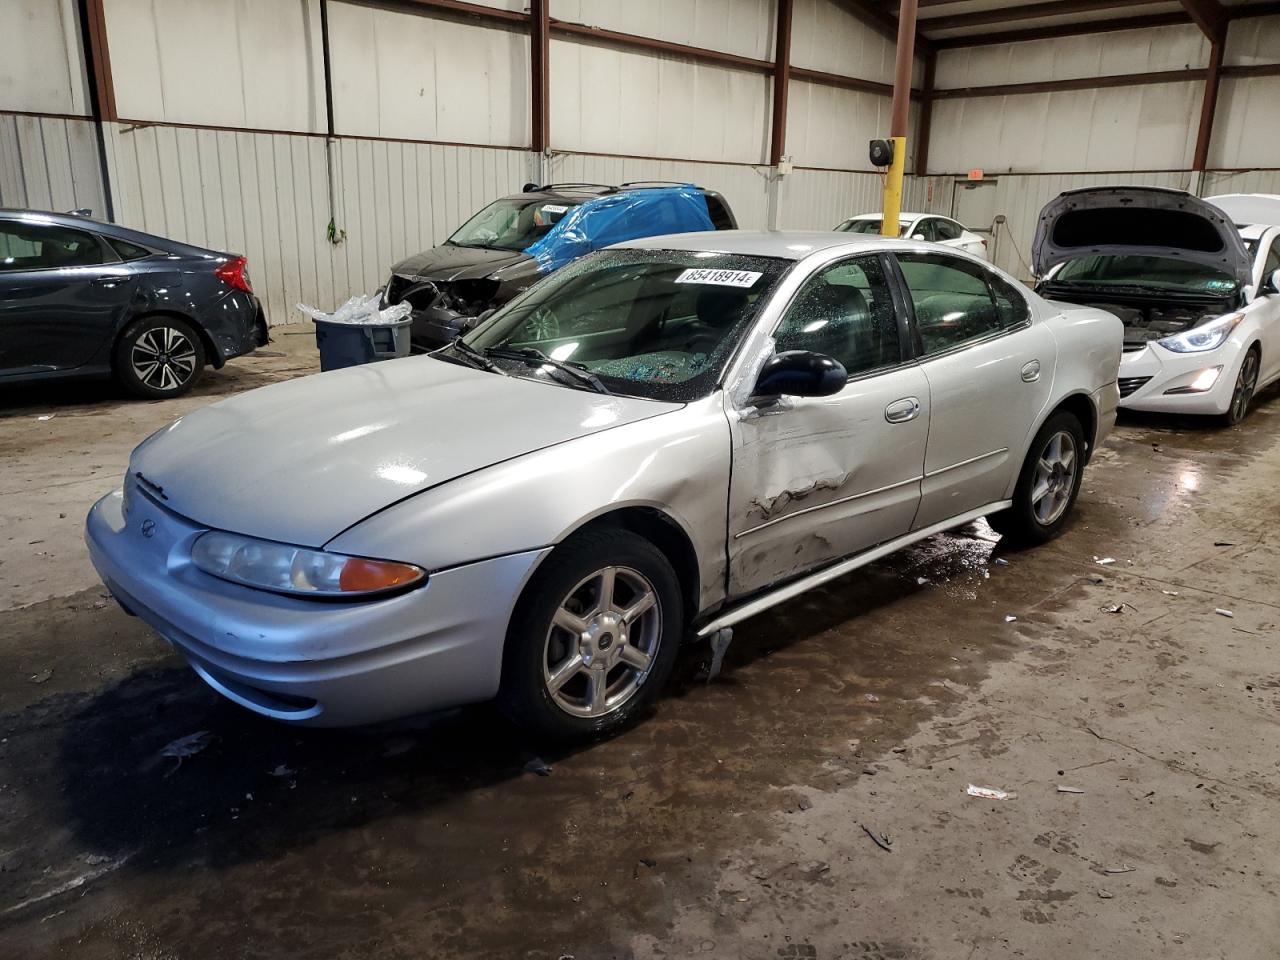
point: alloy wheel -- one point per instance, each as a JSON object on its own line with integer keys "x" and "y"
{"x": 602, "y": 642}
{"x": 1055, "y": 478}
{"x": 1246, "y": 383}
{"x": 163, "y": 358}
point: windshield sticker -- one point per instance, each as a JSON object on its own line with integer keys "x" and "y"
{"x": 720, "y": 278}
{"x": 1220, "y": 285}
{"x": 554, "y": 208}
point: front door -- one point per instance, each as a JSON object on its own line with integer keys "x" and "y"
{"x": 990, "y": 374}
{"x": 817, "y": 479}
{"x": 62, "y": 294}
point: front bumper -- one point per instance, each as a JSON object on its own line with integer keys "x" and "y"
{"x": 1146, "y": 375}
{"x": 433, "y": 328}
{"x": 307, "y": 662}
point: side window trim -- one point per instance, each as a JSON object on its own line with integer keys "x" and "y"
{"x": 907, "y": 307}
{"x": 888, "y": 267}
{"x": 105, "y": 250}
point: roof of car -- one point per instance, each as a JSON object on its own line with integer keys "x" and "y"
{"x": 50, "y": 216}
{"x": 580, "y": 192}
{"x": 783, "y": 244}
{"x": 93, "y": 225}
{"x": 901, "y": 216}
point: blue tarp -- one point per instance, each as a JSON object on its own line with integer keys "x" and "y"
{"x": 622, "y": 216}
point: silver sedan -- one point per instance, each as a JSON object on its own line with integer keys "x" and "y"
{"x": 656, "y": 442}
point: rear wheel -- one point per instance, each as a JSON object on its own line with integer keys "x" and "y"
{"x": 158, "y": 357}
{"x": 1246, "y": 384}
{"x": 593, "y": 637}
{"x": 1048, "y": 484}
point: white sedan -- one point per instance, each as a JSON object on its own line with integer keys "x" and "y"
{"x": 923, "y": 226}
{"x": 1199, "y": 295}
{"x": 659, "y": 440}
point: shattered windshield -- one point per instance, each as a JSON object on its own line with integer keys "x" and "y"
{"x": 1153, "y": 273}
{"x": 659, "y": 324}
{"x": 513, "y": 223}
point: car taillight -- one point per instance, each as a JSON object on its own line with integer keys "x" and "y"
{"x": 234, "y": 273}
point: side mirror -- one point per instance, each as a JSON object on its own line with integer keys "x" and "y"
{"x": 800, "y": 373}
{"x": 918, "y": 236}
{"x": 1270, "y": 284}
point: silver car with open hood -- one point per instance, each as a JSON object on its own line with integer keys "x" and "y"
{"x": 658, "y": 441}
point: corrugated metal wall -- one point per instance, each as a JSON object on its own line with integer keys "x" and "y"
{"x": 267, "y": 196}
{"x": 50, "y": 164}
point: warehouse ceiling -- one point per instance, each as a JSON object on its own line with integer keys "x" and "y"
{"x": 944, "y": 23}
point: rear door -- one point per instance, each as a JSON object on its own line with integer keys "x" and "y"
{"x": 819, "y": 478}
{"x": 63, "y": 293}
{"x": 990, "y": 374}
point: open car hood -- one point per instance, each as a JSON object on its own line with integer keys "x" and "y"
{"x": 1249, "y": 209}
{"x": 1140, "y": 222}
{"x": 447, "y": 262}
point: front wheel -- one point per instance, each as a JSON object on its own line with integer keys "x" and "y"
{"x": 593, "y": 637}
{"x": 1246, "y": 384}
{"x": 1048, "y": 484}
{"x": 158, "y": 357}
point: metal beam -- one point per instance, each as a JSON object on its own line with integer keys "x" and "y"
{"x": 1079, "y": 83}
{"x": 459, "y": 8}
{"x": 1065, "y": 30}
{"x": 781, "y": 81}
{"x": 328, "y": 70}
{"x": 540, "y": 73}
{"x": 1027, "y": 11}
{"x": 634, "y": 41}
{"x": 1208, "y": 15}
{"x": 926, "y": 115}
{"x": 880, "y": 20}
{"x": 1209, "y": 103}
{"x": 102, "y": 93}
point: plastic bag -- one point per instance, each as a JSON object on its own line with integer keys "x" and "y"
{"x": 361, "y": 309}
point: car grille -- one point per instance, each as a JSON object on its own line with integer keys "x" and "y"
{"x": 1130, "y": 385}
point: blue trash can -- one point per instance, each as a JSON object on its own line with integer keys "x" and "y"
{"x": 351, "y": 344}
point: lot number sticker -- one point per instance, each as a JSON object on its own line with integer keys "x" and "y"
{"x": 720, "y": 278}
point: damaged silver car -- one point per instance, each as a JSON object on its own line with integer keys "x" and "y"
{"x": 661, "y": 440}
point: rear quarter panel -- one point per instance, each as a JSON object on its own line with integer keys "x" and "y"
{"x": 1089, "y": 345}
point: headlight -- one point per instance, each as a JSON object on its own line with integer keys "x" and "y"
{"x": 1208, "y": 336}
{"x": 298, "y": 570}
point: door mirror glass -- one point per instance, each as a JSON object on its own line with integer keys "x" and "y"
{"x": 917, "y": 236}
{"x": 800, "y": 373}
{"x": 1271, "y": 284}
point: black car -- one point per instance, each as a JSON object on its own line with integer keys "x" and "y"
{"x": 80, "y": 297}
{"x": 514, "y": 242}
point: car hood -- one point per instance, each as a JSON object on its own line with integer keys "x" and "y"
{"x": 446, "y": 262}
{"x": 1138, "y": 221}
{"x": 1249, "y": 209}
{"x": 301, "y": 461}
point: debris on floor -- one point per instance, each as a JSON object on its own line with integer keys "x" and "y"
{"x": 185, "y": 747}
{"x": 1123, "y": 868}
{"x": 991, "y": 793}
{"x": 283, "y": 771}
{"x": 1009, "y": 618}
{"x": 719, "y": 644}
{"x": 1105, "y": 894}
{"x": 1223, "y": 613}
{"x": 41, "y": 676}
{"x": 1063, "y": 789}
{"x": 1103, "y": 561}
{"x": 539, "y": 766}
{"x": 1225, "y": 543}
{"x": 881, "y": 840}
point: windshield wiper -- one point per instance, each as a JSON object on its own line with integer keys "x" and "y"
{"x": 474, "y": 356}
{"x": 532, "y": 356}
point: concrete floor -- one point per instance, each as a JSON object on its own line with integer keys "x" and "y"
{"x": 731, "y": 823}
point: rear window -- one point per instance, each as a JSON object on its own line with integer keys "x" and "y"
{"x": 721, "y": 218}
{"x": 127, "y": 250}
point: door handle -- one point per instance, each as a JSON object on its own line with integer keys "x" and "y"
{"x": 109, "y": 282}
{"x": 1031, "y": 371}
{"x": 901, "y": 411}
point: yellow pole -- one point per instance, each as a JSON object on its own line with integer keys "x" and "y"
{"x": 898, "y": 117}
{"x": 893, "y": 188}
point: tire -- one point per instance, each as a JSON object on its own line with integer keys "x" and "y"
{"x": 1246, "y": 384}
{"x": 158, "y": 357}
{"x": 1039, "y": 514}
{"x": 572, "y": 672}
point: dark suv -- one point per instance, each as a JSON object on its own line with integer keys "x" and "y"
{"x": 80, "y": 297}
{"x": 514, "y": 242}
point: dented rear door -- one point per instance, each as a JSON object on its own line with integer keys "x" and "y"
{"x": 815, "y": 479}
